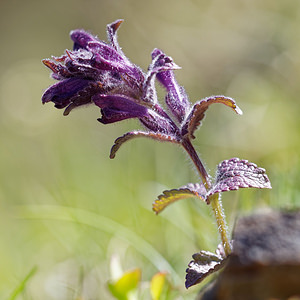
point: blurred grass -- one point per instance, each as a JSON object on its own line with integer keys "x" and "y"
{"x": 247, "y": 50}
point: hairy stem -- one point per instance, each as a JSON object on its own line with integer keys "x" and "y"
{"x": 216, "y": 204}
{"x": 187, "y": 145}
{"x": 214, "y": 200}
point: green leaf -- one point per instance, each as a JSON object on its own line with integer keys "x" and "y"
{"x": 157, "y": 284}
{"x": 134, "y": 134}
{"x": 21, "y": 287}
{"x": 126, "y": 284}
{"x": 170, "y": 196}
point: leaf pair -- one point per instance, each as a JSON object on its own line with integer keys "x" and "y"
{"x": 231, "y": 174}
{"x": 162, "y": 128}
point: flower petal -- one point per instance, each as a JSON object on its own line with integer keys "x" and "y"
{"x": 160, "y": 63}
{"x": 115, "y": 108}
{"x": 61, "y": 93}
{"x": 81, "y": 38}
{"x": 115, "y": 64}
{"x": 106, "y": 58}
{"x": 176, "y": 98}
{"x": 157, "y": 123}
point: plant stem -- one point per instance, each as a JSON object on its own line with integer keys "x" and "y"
{"x": 216, "y": 204}
{"x": 214, "y": 200}
{"x": 187, "y": 145}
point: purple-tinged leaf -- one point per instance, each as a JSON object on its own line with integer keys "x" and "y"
{"x": 134, "y": 134}
{"x": 203, "y": 264}
{"x": 170, "y": 196}
{"x": 198, "y": 112}
{"x": 236, "y": 173}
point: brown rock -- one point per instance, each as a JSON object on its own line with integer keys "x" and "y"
{"x": 265, "y": 262}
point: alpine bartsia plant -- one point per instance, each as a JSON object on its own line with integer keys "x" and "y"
{"x": 98, "y": 73}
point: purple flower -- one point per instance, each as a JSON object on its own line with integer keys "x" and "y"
{"x": 176, "y": 98}
{"x": 94, "y": 69}
{"x": 98, "y": 73}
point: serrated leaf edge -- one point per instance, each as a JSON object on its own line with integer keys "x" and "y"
{"x": 267, "y": 183}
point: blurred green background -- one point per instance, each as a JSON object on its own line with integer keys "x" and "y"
{"x": 67, "y": 209}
